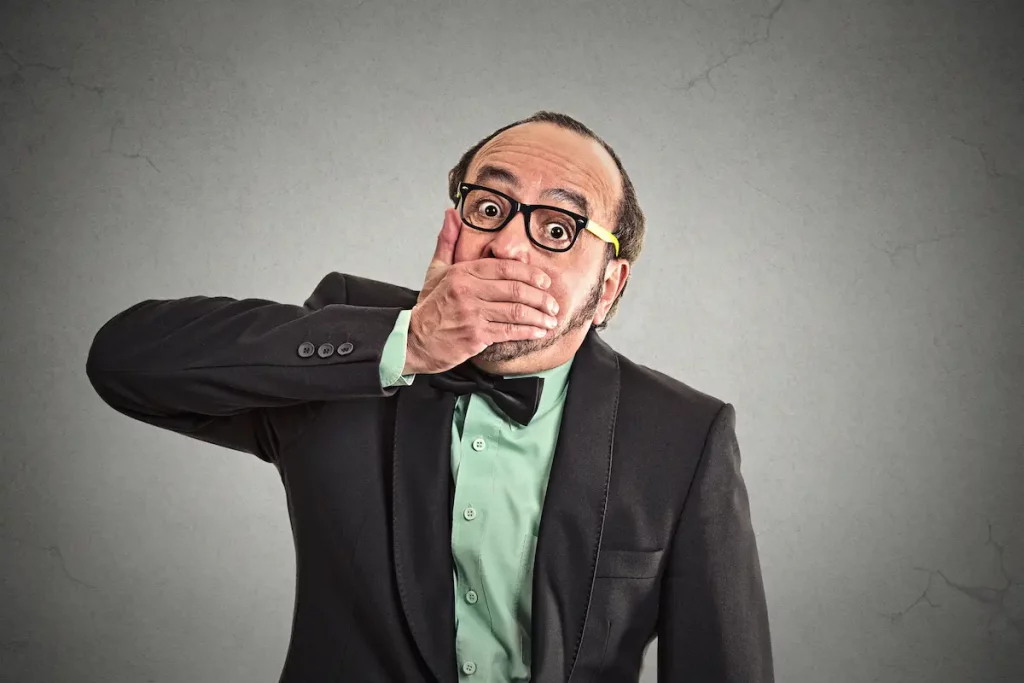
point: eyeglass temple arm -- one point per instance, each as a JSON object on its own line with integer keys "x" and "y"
{"x": 603, "y": 234}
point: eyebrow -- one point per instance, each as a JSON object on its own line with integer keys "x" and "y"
{"x": 488, "y": 172}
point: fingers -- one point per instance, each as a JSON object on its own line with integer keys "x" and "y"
{"x": 515, "y": 291}
{"x": 500, "y": 332}
{"x": 518, "y": 314}
{"x": 509, "y": 269}
{"x": 508, "y": 291}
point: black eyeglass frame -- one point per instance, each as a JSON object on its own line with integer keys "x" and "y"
{"x": 583, "y": 223}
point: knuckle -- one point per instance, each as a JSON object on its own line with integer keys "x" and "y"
{"x": 449, "y": 300}
{"x": 516, "y": 289}
{"x": 464, "y": 316}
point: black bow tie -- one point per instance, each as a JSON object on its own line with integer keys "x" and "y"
{"x": 518, "y": 397}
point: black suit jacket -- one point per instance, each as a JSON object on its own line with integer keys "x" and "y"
{"x": 645, "y": 528}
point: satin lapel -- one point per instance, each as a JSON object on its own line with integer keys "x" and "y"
{"x": 421, "y": 522}
{"x": 572, "y": 519}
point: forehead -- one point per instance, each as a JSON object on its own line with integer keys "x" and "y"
{"x": 543, "y": 155}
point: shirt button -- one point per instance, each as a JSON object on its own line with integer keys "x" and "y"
{"x": 325, "y": 350}
{"x": 469, "y": 514}
{"x": 471, "y": 597}
{"x": 469, "y": 668}
{"x": 479, "y": 444}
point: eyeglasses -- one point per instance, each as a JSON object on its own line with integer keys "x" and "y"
{"x": 552, "y": 228}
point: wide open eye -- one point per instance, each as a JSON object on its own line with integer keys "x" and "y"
{"x": 483, "y": 209}
{"x": 553, "y": 229}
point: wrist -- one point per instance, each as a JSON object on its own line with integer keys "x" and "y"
{"x": 412, "y": 348}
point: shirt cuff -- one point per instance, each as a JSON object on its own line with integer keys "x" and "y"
{"x": 392, "y": 359}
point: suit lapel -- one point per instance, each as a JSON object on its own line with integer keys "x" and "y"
{"x": 421, "y": 522}
{"x": 572, "y": 520}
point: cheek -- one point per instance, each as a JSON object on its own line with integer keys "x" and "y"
{"x": 572, "y": 290}
{"x": 564, "y": 295}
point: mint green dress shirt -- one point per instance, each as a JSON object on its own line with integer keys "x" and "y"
{"x": 500, "y": 469}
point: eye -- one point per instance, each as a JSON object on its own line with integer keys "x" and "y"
{"x": 489, "y": 209}
{"x": 558, "y": 231}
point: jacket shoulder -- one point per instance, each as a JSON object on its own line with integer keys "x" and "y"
{"x": 354, "y": 290}
{"x": 663, "y": 397}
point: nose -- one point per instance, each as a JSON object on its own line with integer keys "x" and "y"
{"x": 511, "y": 241}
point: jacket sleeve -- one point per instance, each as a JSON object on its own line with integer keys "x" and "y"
{"x": 239, "y": 373}
{"x": 713, "y": 618}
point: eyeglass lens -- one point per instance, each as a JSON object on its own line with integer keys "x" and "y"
{"x": 550, "y": 228}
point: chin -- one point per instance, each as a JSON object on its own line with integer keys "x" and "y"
{"x": 511, "y": 350}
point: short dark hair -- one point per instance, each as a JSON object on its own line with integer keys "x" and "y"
{"x": 630, "y": 225}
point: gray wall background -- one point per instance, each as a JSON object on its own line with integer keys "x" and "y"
{"x": 835, "y": 206}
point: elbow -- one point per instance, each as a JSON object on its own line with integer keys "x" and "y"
{"x": 102, "y": 350}
{"x": 109, "y": 352}
{"x": 115, "y": 341}
{"x": 98, "y": 367}
{"x": 118, "y": 389}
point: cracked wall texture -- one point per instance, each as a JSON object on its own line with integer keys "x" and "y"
{"x": 835, "y": 196}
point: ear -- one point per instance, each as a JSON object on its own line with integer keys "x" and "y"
{"x": 615, "y": 275}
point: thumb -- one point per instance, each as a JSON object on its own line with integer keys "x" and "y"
{"x": 444, "y": 253}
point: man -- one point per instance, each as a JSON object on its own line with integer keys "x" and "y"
{"x": 455, "y": 517}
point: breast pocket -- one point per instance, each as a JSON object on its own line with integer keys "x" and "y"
{"x": 628, "y": 564}
{"x": 623, "y": 609}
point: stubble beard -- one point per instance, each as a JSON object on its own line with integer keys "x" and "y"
{"x": 518, "y": 348}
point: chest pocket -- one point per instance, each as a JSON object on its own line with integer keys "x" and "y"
{"x": 623, "y": 610}
{"x": 628, "y": 564}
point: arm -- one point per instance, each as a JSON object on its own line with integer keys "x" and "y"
{"x": 713, "y": 620}
{"x": 229, "y": 371}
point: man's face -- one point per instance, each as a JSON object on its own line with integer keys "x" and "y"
{"x": 527, "y": 162}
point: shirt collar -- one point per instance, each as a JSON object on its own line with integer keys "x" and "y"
{"x": 556, "y": 382}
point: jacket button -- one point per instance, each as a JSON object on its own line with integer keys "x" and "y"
{"x": 326, "y": 349}
{"x": 306, "y": 349}
{"x": 345, "y": 349}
